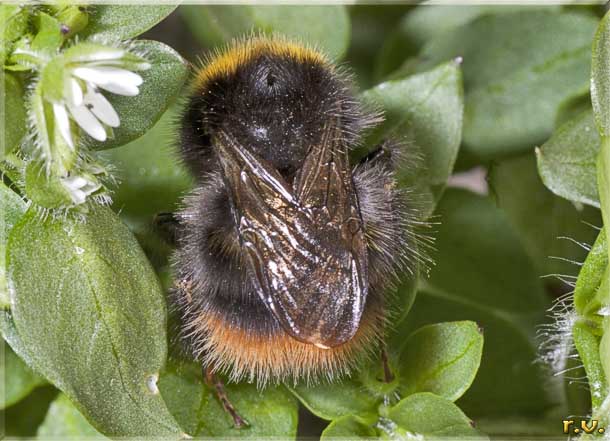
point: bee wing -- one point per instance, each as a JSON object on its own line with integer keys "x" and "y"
{"x": 305, "y": 248}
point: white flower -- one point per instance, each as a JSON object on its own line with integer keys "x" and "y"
{"x": 79, "y": 187}
{"x": 84, "y": 103}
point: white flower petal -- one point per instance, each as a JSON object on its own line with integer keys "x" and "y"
{"x": 100, "y": 107}
{"x": 78, "y": 196}
{"x": 73, "y": 92}
{"x": 88, "y": 122}
{"x": 91, "y": 187}
{"x": 121, "y": 89}
{"x": 75, "y": 182}
{"x": 63, "y": 123}
{"x": 99, "y": 55}
{"x": 120, "y": 81}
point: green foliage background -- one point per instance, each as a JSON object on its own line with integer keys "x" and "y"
{"x": 519, "y": 93}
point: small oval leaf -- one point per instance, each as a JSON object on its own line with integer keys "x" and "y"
{"x": 331, "y": 401}
{"x": 567, "y": 161}
{"x": 432, "y": 417}
{"x": 513, "y": 90}
{"x": 91, "y": 314}
{"x": 442, "y": 359}
{"x": 349, "y": 427}
{"x": 269, "y": 412}
{"x": 425, "y": 110}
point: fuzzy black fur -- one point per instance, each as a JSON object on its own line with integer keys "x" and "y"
{"x": 277, "y": 107}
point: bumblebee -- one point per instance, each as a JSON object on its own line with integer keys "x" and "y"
{"x": 285, "y": 249}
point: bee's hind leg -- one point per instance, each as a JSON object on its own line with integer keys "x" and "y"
{"x": 214, "y": 382}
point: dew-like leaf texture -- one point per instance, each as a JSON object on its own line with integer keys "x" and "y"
{"x": 64, "y": 421}
{"x": 346, "y": 397}
{"x": 424, "y": 111}
{"x": 499, "y": 290}
{"x": 442, "y": 358}
{"x": 162, "y": 84}
{"x": 349, "y": 427}
{"x": 326, "y": 27}
{"x": 12, "y": 114}
{"x": 431, "y": 417}
{"x": 567, "y": 161}
{"x": 91, "y": 314}
{"x": 121, "y": 22}
{"x": 271, "y": 411}
{"x": 518, "y": 68}
{"x": 18, "y": 379}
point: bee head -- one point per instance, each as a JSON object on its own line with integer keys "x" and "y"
{"x": 273, "y": 97}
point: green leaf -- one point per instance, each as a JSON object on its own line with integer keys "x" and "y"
{"x": 567, "y": 161}
{"x": 49, "y": 37}
{"x": 51, "y": 147}
{"x": 587, "y": 345}
{"x": 74, "y": 18}
{"x": 22, "y": 419}
{"x": 162, "y": 84}
{"x": 513, "y": 90}
{"x": 150, "y": 173}
{"x": 12, "y": 115}
{"x": 572, "y": 107}
{"x": 12, "y": 208}
{"x": 603, "y": 410}
{"x": 350, "y": 427}
{"x": 590, "y": 278}
{"x": 442, "y": 359}
{"x": 431, "y": 417}
{"x": 346, "y": 397}
{"x": 13, "y": 24}
{"x": 121, "y": 22}
{"x": 18, "y": 380}
{"x": 600, "y": 76}
{"x": 499, "y": 290}
{"x": 543, "y": 220}
{"x": 600, "y": 98}
{"x": 427, "y": 22}
{"x": 325, "y": 27}
{"x": 425, "y": 109}
{"x": 91, "y": 314}
{"x": 271, "y": 411}
{"x": 64, "y": 421}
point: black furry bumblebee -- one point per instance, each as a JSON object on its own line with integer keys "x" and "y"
{"x": 285, "y": 249}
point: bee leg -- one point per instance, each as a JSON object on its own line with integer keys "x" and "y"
{"x": 213, "y": 381}
{"x": 388, "y": 376}
{"x": 167, "y": 224}
{"x": 386, "y": 152}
